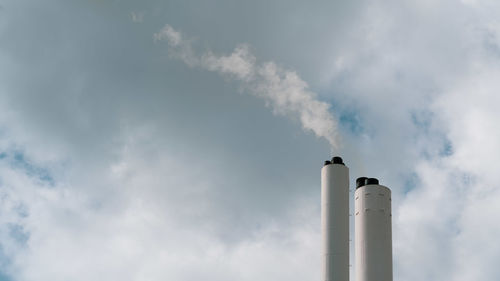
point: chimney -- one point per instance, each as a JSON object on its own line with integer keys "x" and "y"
{"x": 335, "y": 220}
{"x": 372, "y": 231}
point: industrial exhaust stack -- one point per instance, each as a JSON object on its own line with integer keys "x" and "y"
{"x": 335, "y": 220}
{"x": 373, "y": 229}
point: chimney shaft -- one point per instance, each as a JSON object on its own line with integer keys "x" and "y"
{"x": 335, "y": 220}
{"x": 373, "y": 231}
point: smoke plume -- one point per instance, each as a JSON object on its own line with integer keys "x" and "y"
{"x": 283, "y": 90}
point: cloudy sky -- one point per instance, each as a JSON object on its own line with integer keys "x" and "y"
{"x": 183, "y": 140}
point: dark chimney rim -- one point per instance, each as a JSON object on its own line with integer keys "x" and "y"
{"x": 371, "y": 181}
{"x": 335, "y": 160}
{"x": 362, "y": 181}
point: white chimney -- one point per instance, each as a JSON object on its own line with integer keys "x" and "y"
{"x": 373, "y": 231}
{"x": 335, "y": 220}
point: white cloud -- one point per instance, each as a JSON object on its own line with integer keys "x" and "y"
{"x": 152, "y": 226}
{"x": 423, "y": 82}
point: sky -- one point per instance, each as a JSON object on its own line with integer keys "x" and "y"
{"x": 183, "y": 140}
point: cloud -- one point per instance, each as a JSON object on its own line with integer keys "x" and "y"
{"x": 425, "y": 89}
{"x": 148, "y": 225}
{"x": 283, "y": 90}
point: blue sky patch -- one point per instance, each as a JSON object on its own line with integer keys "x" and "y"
{"x": 4, "y": 261}
{"x": 351, "y": 121}
{"x": 411, "y": 182}
{"x": 18, "y": 233}
{"x": 422, "y": 120}
{"x": 17, "y": 160}
{"x": 447, "y": 148}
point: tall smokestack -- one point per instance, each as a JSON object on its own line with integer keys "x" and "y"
{"x": 335, "y": 220}
{"x": 373, "y": 234}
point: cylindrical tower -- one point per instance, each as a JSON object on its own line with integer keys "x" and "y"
{"x": 335, "y": 220}
{"x": 373, "y": 231}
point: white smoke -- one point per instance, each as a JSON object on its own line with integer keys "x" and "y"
{"x": 283, "y": 90}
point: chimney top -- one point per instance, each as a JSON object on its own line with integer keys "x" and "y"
{"x": 362, "y": 181}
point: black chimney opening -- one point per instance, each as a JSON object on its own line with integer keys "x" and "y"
{"x": 361, "y": 182}
{"x": 371, "y": 181}
{"x": 337, "y": 160}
